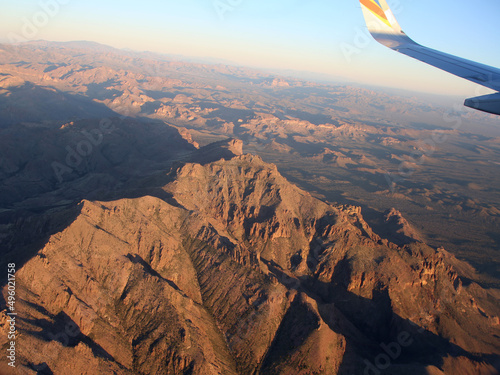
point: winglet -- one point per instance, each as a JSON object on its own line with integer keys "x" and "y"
{"x": 385, "y": 29}
{"x": 383, "y": 25}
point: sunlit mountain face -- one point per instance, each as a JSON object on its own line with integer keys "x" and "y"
{"x": 166, "y": 217}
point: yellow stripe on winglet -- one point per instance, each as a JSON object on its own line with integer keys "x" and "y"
{"x": 376, "y": 10}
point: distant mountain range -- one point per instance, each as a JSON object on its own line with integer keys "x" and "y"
{"x": 152, "y": 235}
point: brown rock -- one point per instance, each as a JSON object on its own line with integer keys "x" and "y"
{"x": 240, "y": 273}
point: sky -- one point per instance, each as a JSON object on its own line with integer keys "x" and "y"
{"x": 321, "y": 36}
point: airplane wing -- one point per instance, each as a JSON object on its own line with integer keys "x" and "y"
{"x": 385, "y": 29}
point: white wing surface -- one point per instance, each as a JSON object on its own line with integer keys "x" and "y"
{"x": 385, "y": 29}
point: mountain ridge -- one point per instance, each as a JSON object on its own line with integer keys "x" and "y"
{"x": 151, "y": 233}
{"x": 248, "y": 259}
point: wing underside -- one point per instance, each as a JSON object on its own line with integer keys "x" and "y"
{"x": 385, "y": 29}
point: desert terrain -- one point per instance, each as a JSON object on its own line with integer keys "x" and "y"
{"x": 169, "y": 217}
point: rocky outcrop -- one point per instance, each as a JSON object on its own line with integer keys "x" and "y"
{"x": 241, "y": 272}
{"x": 225, "y": 149}
{"x": 400, "y": 229}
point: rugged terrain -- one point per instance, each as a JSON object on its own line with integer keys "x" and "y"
{"x": 236, "y": 271}
{"x": 427, "y": 158}
{"x": 148, "y": 242}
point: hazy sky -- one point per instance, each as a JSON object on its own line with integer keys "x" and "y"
{"x": 311, "y": 35}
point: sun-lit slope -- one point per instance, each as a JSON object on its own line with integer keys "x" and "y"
{"x": 224, "y": 266}
{"x": 241, "y": 271}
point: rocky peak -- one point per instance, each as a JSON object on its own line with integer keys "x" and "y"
{"x": 225, "y": 149}
{"x": 402, "y": 231}
{"x": 241, "y": 272}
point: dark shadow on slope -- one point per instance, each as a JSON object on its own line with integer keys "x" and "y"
{"x": 157, "y": 95}
{"x": 136, "y": 259}
{"x": 32, "y": 103}
{"x": 333, "y": 196}
{"x": 155, "y": 147}
{"x": 29, "y": 232}
{"x": 85, "y": 160}
{"x": 63, "y": 329}
{"x": 225, "y": 149}
{"x": 41, "y": 368}
{"x": 367, "y": 324}
{"x": 313, "y": 118}
{"x": 236, "y": 116}
{"x": 297, "y": 325}
{"x": 102, "y": 91}
{"x": 153, "y": 185}
{"x": 130, "y": 151}
{"x": 387, "y": 229}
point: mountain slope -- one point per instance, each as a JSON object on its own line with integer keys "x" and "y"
{"x": 237, "y": 271}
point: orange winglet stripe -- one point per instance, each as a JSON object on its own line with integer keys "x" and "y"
{"x": 375, "y": 8}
